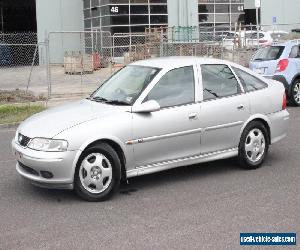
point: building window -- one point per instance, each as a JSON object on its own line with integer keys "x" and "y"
{"x": 129, "y": 15}
{"x": 217, "y": 12}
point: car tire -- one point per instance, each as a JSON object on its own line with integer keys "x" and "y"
{"x": 253, "y": 146}
{"x": 295, "y": 93}
{"x": 97, "y": 174}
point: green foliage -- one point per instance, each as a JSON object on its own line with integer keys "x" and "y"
{"x": 11, "y": 113}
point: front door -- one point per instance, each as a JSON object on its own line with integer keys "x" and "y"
{"x": 173, "y": 132}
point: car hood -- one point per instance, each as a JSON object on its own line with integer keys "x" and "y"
{"x": 53, "y": 121}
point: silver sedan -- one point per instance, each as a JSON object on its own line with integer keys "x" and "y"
{"x": 150, "y": 116}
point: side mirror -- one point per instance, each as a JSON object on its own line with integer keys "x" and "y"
{"x": 146, "y": 107}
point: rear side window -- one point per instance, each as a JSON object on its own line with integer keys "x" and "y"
{"x": 230, "y": 35}
{"x": 295, "y": 52}
{"x": 249, "y": 82}
{"x": 218, "y": 81}
{"x": 269, "y": 53}
{"x": 254, "y": 35}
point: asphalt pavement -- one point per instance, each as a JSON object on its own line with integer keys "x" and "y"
{"x": 203, "y": 206}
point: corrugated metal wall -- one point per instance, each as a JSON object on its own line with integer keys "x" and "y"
{"x": 182, "y": 13}
{"x": 285, "y": 11}
{"x": 278, "y": 12}
{"x": 59, "y": 15}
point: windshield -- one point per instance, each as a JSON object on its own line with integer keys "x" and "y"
{"x": 124, "y": 87}
{"x": 269, "y": 53}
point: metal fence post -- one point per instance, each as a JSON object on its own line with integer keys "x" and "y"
{"x": 48, "y": 70}
{"x": 32, "y": 65}
{"x": 222, "y": 46}
{"x": 161, "y": 44}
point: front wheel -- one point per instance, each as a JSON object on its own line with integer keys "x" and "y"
{"x": 295, "y": 93}
{"x": 254, "y": 145}
{"x": 97, "y": 173}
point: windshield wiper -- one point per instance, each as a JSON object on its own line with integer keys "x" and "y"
{"x": 98, "y": 99}
{"x": 104, "y": 100}
{"x": 117, "y": 102}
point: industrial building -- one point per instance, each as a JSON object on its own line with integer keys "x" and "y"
{"x": 131, "y": 16}
{"x": 127, "y": 16}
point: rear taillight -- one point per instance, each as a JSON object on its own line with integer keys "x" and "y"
{"x": 282, "y": 65}
{"x": 284, "y": 101}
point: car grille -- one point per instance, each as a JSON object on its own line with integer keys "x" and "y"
{"x": 28, "y": 169}
{"x": 23, "y": 140}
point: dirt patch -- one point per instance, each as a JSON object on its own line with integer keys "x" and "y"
{"x": 19, "y": 96}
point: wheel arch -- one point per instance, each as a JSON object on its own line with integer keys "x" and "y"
{"x": 114, "y": 143}
{"x": 260, "y": 118}
{"x": 295, "y": 78}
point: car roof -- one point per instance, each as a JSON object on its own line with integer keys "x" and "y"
{"x": 287, "y": 43}
{"x": 276, "y": 32}
{"x": 177, "y": 61}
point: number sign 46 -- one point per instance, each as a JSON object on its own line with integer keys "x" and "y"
{"x": 114, "y": 9}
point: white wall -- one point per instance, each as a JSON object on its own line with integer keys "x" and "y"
{"x": 182, "y": 13}
{"x": 285, "y": 11}
{"x": 249, "y": 4}
{"x": 59, "y": 15}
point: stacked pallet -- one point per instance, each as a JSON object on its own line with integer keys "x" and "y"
{"x": 78, "y": 63}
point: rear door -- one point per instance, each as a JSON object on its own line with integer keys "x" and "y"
{"x": 256, "y": 90}
{"x": 224, "y": 108}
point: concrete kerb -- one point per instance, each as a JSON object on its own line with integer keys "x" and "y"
{"x": 10, "y": 125}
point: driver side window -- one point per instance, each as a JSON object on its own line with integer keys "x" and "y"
{"x": 175, "y": 88}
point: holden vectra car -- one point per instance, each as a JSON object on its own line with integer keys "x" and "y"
{"x": 150, "y": 116}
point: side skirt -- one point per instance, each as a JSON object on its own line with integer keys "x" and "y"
{"x": 165, "y": 165}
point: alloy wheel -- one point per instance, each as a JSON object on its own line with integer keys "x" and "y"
{"x": 255, "y": 145}
{"x": 95, "y": 173}
{"x": 296, "y": 92}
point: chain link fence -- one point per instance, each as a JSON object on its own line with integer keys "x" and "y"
{"x": 76, "y": 63}
{"x": 18, "y": 49}
{"x": 75, "y": 60}
{"x": 22, "y": 61}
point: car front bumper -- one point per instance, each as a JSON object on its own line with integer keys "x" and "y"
{"x": 46, "y": 169}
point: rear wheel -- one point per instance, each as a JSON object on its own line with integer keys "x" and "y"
{"x": 295, "y": 93}
{"x": 254, "y": 145}
{"x": 97, "y": 174}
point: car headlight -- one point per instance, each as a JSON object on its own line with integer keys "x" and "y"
{"x": 49, "y": 145}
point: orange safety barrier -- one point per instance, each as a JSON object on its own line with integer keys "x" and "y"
{"x": 96, "y": 61}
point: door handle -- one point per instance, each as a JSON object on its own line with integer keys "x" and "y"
{"x": 193, "y": 116}
{"x": 241, "y": 107}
